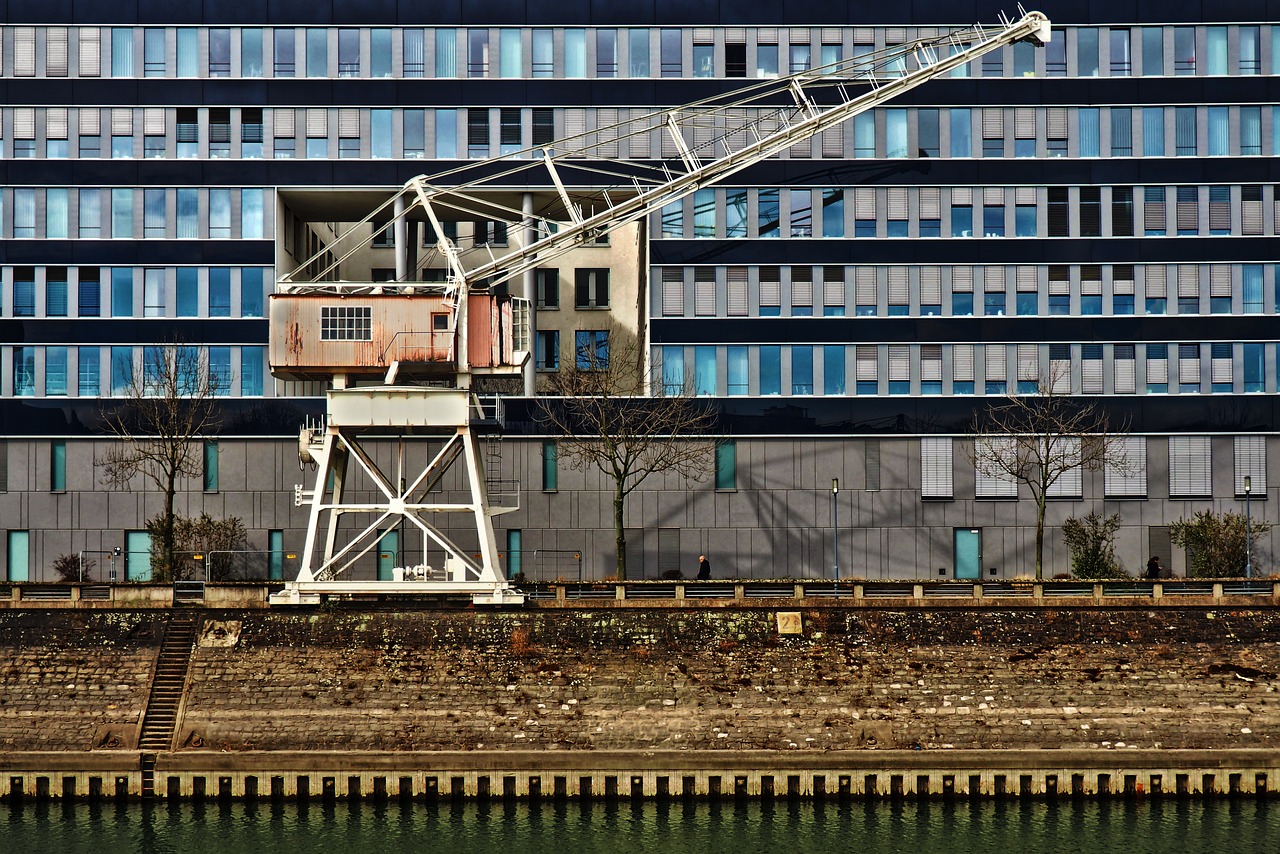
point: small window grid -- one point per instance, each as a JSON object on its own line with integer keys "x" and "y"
{"x": 346, "y": 323}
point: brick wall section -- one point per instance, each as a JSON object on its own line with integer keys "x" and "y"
{"x": 74, "y": 681}
{"x": 725, "y": 679}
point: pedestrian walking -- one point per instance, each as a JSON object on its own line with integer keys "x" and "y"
{"x": 704, "y": 568}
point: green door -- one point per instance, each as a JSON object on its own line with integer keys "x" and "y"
{"x": 969, "y": 553}
{"x": 137, "y": 556}
{"x": 388, "y": 554}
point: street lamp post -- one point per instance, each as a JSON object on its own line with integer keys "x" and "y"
{"x": 1248, "y": 529}
{"x": 835, "y": 535}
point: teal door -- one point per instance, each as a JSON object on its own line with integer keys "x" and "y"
{"x": 388, "y": 554}
{"x": 137, "y": 556}
{"x": 969, "y": 553}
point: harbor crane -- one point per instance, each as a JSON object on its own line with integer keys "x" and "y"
{"x": 404, "y": 359}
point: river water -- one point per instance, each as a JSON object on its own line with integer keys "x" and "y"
{"x": 781, "y": 827}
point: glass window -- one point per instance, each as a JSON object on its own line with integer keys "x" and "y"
{"x": 993, "y": 221}
{"x": 638, "y": 52}
{"x": 575, "y": 52}
{"x": 704, "y": 60}
{"x": 121, "y": 213}
{"x": 927, "y": 133}
{"x": 219, "y": 213}
{"x": 704, "y": 213}
{"x": 735, "y": 210}
{"x": 55, "y": 292}
{"x": 219, "y": 291}
{"x": 349, "y": 52}
{"x": 1121, "y": 63}
{"x": 153, "y": 293}
{"x": 704, "y": 370}
{"x": 1121, "y": 132}
{"x": 1025, "y": 220}
{"x": 961, "y": 132}
{"x": 1250, "y": 131}
{"x": 1251, "y": 288}
{"x": 153, "y": 52}
{"x": 1219, "y": 132}
{"x": 446, "y": 53}
{"x": 896, "y": 133}
{"x": 1024, "y": 59}
{"x": 591, "y": 349}
{"x": 188, "y": 214}
{"x": 550, "y": 469}
{"x": 285, "y": 64}
{"x": 673, "y": 219}
{"x": 1089, "y": 145}
{"x": 1216, "y": 50}
{"x": 317, "y": 52}
{"x": 251, "y": 52}
{"x": 1184, "y": 50}
{"x": 89, "y": 298}
{"x": 962, "y": 304}
{"x": 210, "y": 466}
{"x": 726, "y": 464}
{"x": 770, "y": 369}
{"x": 1185, "y": 131}
{"x": 737, "y": 369}
{"x": 121, "y": 370}
{"x": 1055, "y": 56}
{"x": 380, "y": 134}
{"x": 187, "y": 289}
{"x": 1086, "y": 52}
{"x": 802, "y": 369}
{"x": 1153, "y": 131}
{"x": 768, "y": 213}
{"x": 673, "y": 380}
{"x": 801, "y": 213}
{"x": 800, "y": 58}
{"x": 251, "y": 292}
{"x": 864, "y": 135}
{"x": 88, "y": 379}
{"x": 766, "y": 61}
{"x": 24, "y": 292}
{"x": 1152, "y": 51}
{"x": 251, "y": 371}
{"x": 833, "y": 212}
{"x": 833, "y": 369}
{"x": 1250, "y": 56}
{"x": 188, "y": 52}
{"x": 122, "y": 292}
{"x": 993, "y": 304}
{"x": 446, "y": 134}
{"x": 414, "y": 59}
{"x": 669, "y": 53}
{"x": 1254, "y": 372}
{"x": 24, "y": 371}
{"x": 606, "y": 53}
{"x": 961, "y": 221}
{"x": 122, "y": 52}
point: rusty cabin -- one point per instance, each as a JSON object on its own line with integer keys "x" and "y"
{"x": 319, "y": 335}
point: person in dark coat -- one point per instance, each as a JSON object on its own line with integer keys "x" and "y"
{"x": 704, "y": 568}
{"x": 1154, "y": 569}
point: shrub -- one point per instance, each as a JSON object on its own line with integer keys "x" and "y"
{"x": 68, "y": 568}
{"x": 1215, "y": 542}
{"x": 1092, "y": 544}
{"x": 201, "y": 535}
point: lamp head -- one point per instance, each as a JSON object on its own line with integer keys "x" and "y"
{"x": 1248, "y": 484}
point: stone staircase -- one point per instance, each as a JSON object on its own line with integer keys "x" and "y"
{"x": 161, "y": 717}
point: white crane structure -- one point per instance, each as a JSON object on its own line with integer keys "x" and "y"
{"x": 400, "y": 356}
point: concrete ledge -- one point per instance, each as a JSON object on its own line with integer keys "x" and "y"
{"x": 640, "y": 774}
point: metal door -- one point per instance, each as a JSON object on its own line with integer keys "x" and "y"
{"x": 968, "y": 553}
{"x": 388, "y": 554}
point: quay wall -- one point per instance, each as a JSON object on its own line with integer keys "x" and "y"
{"x": 752, "y": 696}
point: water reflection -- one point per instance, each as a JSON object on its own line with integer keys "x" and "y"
{"x": 1135, "y": 826}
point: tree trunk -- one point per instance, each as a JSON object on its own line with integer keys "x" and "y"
{"x": 1040, "y": 538}
{"x": 166, "y": 537}
{"x": 620, "y": 533}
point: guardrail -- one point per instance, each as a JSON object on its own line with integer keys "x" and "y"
{"x": 915, "y": 592}
{"x": 748, "y": 593}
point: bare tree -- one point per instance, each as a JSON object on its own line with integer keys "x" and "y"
{"x": 165, "y": 409}
{"x": 1036, "y": 439}
{"x": 598, "y": 404}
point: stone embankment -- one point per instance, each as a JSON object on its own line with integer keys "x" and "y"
{"x": 1027, "y": 701}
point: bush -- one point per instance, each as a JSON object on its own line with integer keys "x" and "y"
{"x": 1215, "y": 543}
{"x": 68, "y": 568}
{"x": 200, "y": 535}
{"x": 1092, "y": 544}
